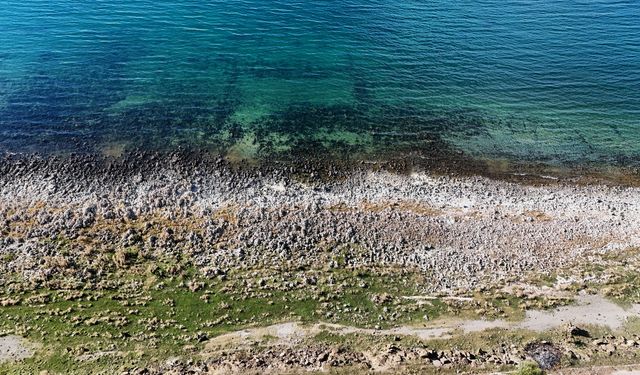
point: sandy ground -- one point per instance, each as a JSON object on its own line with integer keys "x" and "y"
{"x": 589, "y": 310}
{"x": 13, "y": 348}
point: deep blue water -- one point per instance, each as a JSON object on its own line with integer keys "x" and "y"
{"x": 555, "y": 81}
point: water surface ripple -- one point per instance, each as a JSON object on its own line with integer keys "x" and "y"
{"x": 555, "y": 81}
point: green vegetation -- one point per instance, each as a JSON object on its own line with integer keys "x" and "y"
{"x": 143, "y": 312}
{"x": 529, "y": 368}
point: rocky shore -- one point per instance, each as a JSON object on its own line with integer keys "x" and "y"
{"x": 460, "y": 231}
{"x": 359, "y": 243}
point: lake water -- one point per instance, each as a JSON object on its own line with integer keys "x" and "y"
{"x": 552, "y": 81}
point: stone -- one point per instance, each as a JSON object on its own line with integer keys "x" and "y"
{"x": 577, "y": 331}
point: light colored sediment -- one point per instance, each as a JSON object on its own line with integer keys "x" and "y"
{"x": 602, "y": 370}
{"x": 13, "y": 348}
{"x": 589, "y": 310}
{"x": 291, "y": 333}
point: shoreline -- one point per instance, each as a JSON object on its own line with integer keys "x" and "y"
{"x": 411, "y": 213}
{"x": 193, "y": 227}
{"x": 322, "y": 167}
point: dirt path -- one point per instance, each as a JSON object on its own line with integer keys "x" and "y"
{"x": 601, "y": 370}
{"x": 589, "y": 309}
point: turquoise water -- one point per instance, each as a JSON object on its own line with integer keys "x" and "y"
{"x": 553, "y": 81}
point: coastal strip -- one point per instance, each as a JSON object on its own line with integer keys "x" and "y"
{"x": 173, "y": 251}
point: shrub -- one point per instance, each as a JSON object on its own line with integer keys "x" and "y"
{"x": 529, "y": 368}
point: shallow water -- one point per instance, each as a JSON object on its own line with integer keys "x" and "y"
{"x": 555, "y": 81}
